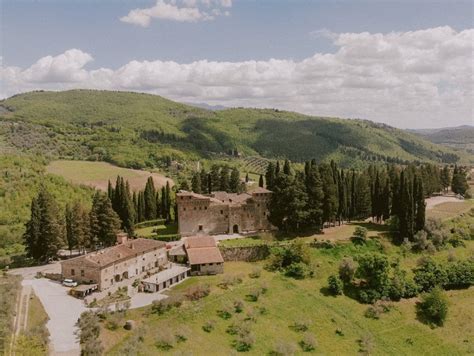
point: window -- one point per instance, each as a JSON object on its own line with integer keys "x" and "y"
{"x": 205, "y": 208}
{"x": 200, "y": 227}
{"x": 194, "y": 208}
{"x": 82, "y": 273}
{"x": 73, "y": 273}
{"x": 184, "y": 209}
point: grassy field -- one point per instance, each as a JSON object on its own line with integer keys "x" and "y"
{"x": 449, "y": 210}
{"x": 288, "y": 301}
{"x": 9, "y": 289}
{"x": 97, "y": 174}
{"x": 157, "y": 230}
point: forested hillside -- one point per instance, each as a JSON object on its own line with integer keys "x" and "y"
{"x": 458, "y": 137}
{"x": 141, "y": 130}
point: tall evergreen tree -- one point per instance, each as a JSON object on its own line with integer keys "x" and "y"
{"x": 260, "y": 181}
{"x": 150, "y": 212}
{"x": 330, "y": 199}
{"x": 77, "y": 227}
{"x": 44, "y": 234}
{"x": 215, "y": 176}
{"x": 363, "y": 208}
{"x": 196, "y": 183}
{"x": 224, "y": 179}
{"x": 314, "y": 191}
{"x": 104, "y": 222}
{"x": 270, "y": 175}
{"x": 420, "y": 207}
{"x": 234, "y": 182}
{"x": 204, "y": 183}
{"x": 445, "y": 178}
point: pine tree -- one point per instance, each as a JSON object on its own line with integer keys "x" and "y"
{"x": 459, "y": 183}
{"x": 260, "y": 181}
{"x": 234, "y": 182}
{"x": 77, "y": 226}
{"x": 196, "y": 183}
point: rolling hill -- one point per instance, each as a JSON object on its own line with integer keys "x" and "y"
{"x": 141, "y": 130}
{"x": 461, "y": 137}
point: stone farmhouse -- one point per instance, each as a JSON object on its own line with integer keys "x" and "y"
{"x": 204, "y": 257}
{"x": 106, "y": 267}
{"x": 223, "y": 213}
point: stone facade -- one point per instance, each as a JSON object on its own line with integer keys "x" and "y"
{"x": 131, "y": 259}
{"x": 204, "y": 257}
{"x": 223, "y": 213}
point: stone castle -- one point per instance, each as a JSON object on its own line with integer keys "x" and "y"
{"x": 223, "y": 213}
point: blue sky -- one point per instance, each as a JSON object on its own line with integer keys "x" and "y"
{"x": 252, "y": 31}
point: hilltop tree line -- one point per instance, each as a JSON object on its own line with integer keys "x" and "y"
{"x": 323, "y": 194}
{"x": 218, "y": 178}
{"x": 78, "y": 227}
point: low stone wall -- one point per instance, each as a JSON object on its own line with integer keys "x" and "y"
{"x": 245, "y": 253}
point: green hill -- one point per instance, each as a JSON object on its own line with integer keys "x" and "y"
{"x": 461, "y": 137}
{"x": 141, "y": 130}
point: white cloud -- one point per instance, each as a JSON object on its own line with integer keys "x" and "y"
{"x": 172, "y": 11}
{"x": 406, "y": 79}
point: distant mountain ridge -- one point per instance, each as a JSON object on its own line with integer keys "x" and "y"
{"x": 141, "y": 130}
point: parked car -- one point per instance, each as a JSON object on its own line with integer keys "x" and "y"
{"x": 69, "y": 283}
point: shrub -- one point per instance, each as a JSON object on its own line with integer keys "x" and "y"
{"x": 366, "y": 343}
{"x": 401, "y": 286}
{"x": 429, "y": 274}
{"x": 285, "y": 255}
{"x": 347, "y": 269}
{"x": 335, "y": 285}
{"x": 284, "y": 349}
{"x": 324, "y": 244}
{"x": 433, "y": 307}
{"x": 197, "y": 292}
{"x": 308, "y": 343}
{"x": 225, "y": 312}
{"x": 359, "y": 236}
{"x": 256, "y": 272}
{"x": 378, "y": 308}
{"x": 244, "y": 342}
{"x": 460, "y": 274}
{"x": 238, "y": 306}
{"x": 165, "y": 339}
{"x": 254, "y": 294}
{"x": 230, "y": 280}
{"x": 182, "y": 334}
{"x": 298, "y": 270}
{"x": 209, "y": 326}
{"x": 113, "y": 322}
{"x": 301, "y": 325}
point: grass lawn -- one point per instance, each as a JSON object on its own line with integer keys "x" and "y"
{"x": 449, "y": 210}
{"x": 97, "y": 174}
{"x": 157, "y": 230}
{"x": 288, "y": 300}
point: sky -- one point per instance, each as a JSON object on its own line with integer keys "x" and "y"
{"x": 406, "y": 63}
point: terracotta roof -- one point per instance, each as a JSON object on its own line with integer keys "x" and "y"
{"x": 197, "y": 256}
{"x": 199, "y": 242}
{"x": 231, "y": 197}
{"x": 184, "y": 193}
{"x": 117, "y": 253}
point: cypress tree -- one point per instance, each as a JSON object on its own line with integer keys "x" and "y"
{"x": 314, "y": 191}
{"x": 270, "y": 175}
{"x": 104, "y": 221}
{"x": 260, "y": 181}
{"x": 420, "y": 207}
{"x": 204, "y": 183}
{"x": 77, "y": 226}
{"x": 247, "y": 179}
{"x": 168, "y": 201}
{"x": 386, "y": 198}
{"x": 224, "y": 179}
{"x": 164, "y": 207}
{"x": 234, "y": 183}
{"x": 209, "y": 184}
{"x": 445, "y": 178}
{"x": 184, "y": 185}
{"x": 196, "y": 183}
{"x": 70, "y": 235}
{"x": 32, "y": 234}
{"x": 150, "y": 212}
{"x": 363, "y": 204}
{"x": 215, "y": 178}
{"x": 287, "y": 167}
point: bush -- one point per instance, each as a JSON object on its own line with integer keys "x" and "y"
{"x": 433, "y": 307}
{"x": 298, "y": 270}
{"x": 225, "y": 312}
{"x": 308, "y": 343}
{"x": 285, "y": 255}
{"x": 429, "y": 274}
{"x": 165, "y": 339}
{"x": 335, "y": 285}
{"x": 238, "y": 306}
{"x": 197, "y": 292}
{"x": 254, "y": 294}
{"x": 347, "y": 269}
{"x": 301, "y": 325}
{"x": 256, "y": 272}
{"x": 209, "y": 326}
{"x": 284, "y": 349}
{"x": 244, "y": 342}
{"x": 182, "y": 334}
{"x": 460, "y": 274}
{"x": 230, "y": 280}
{"x": 378, "y": 308}
{"x": 360, "y": 235}
{"x": 401, "y": 286}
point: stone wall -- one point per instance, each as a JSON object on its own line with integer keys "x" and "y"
{"x": 245, "y": 253}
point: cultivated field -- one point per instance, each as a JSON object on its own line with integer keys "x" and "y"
{"x": 449, "y": 210}
{"x": 97, "y": 174}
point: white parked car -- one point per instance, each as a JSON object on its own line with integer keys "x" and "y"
{"x": 69, "y": 283}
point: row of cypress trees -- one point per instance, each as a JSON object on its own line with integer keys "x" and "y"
{"x": 325, "y": 195}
